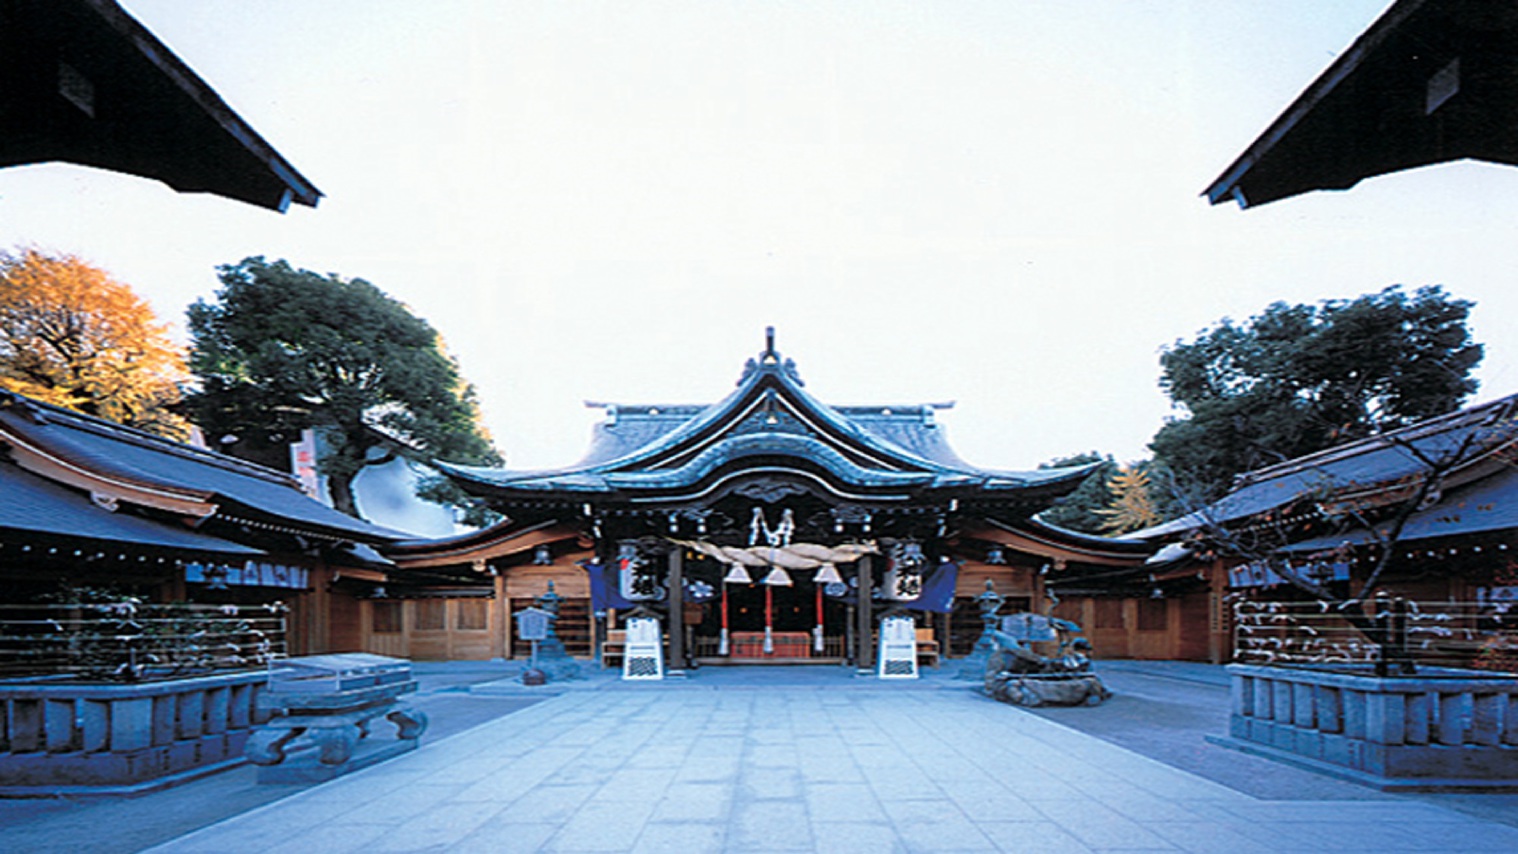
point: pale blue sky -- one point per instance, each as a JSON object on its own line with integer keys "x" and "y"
{"x": 994, "y": 203}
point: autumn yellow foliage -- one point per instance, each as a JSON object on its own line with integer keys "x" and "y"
{"x": 1132, "y": 507}
{"x": 73, "y": 336}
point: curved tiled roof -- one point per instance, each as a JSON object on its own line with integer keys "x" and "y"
{"x": 770, "y": 422}
{"x": 139, "y": 459}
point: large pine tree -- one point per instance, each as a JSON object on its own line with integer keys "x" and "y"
{"x": 1300, "y": 378}
{"x": 283, "y": 349}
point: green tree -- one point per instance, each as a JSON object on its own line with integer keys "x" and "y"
{"x": 1081, "y": 509}
{"x": 73, "y": 336}
{"x": 1300, "y": 378}
{"x": 282, "y": 349}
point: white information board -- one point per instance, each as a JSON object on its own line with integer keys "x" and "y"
{"x": 643, "y": 655}
{"x": 898, "y": 648}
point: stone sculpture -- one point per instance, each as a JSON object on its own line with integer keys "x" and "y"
{"x": 1017, "y": 674}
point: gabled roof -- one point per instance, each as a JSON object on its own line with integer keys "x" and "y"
{"x": 769, "y": 425}
{"x": 81, "y": 81}
{"x": 1479, "y": 441}
{"x": 1430, "y": 81}
{"x": 120, "y": 464}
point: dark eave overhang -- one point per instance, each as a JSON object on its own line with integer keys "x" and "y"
{"x": 82, "y": 81}
{"x": 1430, "y": 81}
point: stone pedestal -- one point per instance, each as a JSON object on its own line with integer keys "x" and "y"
{"x": 58, "y": 736}
{"x": 973, "y": 666}
{"x": 321, "y": 710}
{"x": 312, "y": 748}
{"x": 1442, "y": 729}
{"x": 555, "y": 662}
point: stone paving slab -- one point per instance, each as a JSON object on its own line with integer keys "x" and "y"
{"x": 930, "y": 766}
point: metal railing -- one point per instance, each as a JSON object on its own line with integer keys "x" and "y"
{"x": 129, "y": 641}
{"x": 1384, "y": 634}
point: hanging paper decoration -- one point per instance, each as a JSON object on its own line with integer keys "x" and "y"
{"x": 738, "y": 575}
{"x": 827, "y": 574}
{"x": 777, "y": 578}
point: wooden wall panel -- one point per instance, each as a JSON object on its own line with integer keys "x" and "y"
{"x": 569, "y": 580}
{"x": 345, "y": 632}
{"x": 1192, "y": 631}
{"x": 383, "y": 643}
{"x": 428, "y": 646}
{"x": 1009, "y": 580}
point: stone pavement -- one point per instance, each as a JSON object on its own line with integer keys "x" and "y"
{"x": 115, "y": 824}
{"x": 761, "y": 759}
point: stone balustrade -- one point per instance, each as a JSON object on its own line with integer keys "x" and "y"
{"x": 58, "y": 736}
{"x": 1439, "y": 729}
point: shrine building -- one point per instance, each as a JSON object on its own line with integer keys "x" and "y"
{"x": 768, "y": 527}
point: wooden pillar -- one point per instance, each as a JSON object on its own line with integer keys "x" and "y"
{"x": 316, "y": 612}
{"x": 1219, "y": 615}
{"x": 864, "y": 632}
{"x": 676, "y": 608}
{"x": 500, "y": 620}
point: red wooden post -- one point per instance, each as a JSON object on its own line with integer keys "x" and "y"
{"x": 722, "y": 648}
{"x": 769, "y": 619}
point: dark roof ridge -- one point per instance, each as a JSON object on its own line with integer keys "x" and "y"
{"x": 1119, "y": 540}
{"x": 52, "y": 413}
{"x": 612, "y": 405}
{"x": 1227, "y": 185}
{"x": 1428, "y": 427}
{"x": 297, "y": 187}
{"x": 895, "y": 408}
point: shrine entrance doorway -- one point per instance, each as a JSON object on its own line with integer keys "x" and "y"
{"x": 768, "y": 624}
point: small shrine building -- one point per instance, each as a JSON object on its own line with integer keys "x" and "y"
{"x": 768, "y": 527}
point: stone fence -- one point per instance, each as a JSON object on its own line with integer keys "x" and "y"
{"x": 1439, "y": 729}
{"x": 59, "y": 736}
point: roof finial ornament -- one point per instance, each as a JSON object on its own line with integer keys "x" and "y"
{"x": 770, "y": 361}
